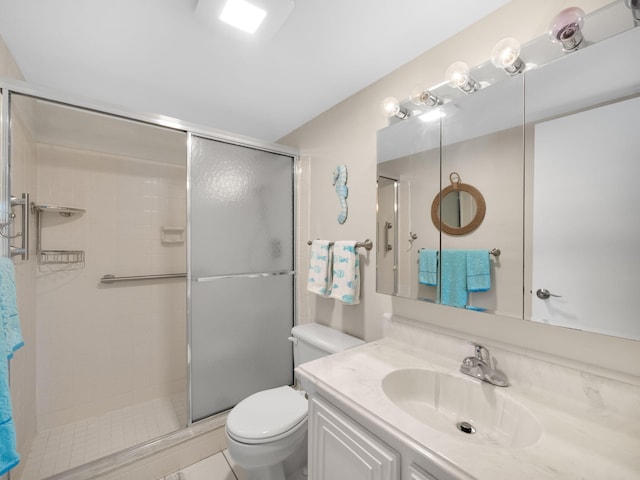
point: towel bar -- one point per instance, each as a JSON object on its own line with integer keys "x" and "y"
{"x": 494, "y": 251}
{"x": 367, "y": 244}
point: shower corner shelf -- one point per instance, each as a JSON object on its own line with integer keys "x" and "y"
{"x": 64, "y": 211}
{"x": 52, "y": 260}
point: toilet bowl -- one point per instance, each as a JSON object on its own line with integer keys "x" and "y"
{"x": 267, "y": 431}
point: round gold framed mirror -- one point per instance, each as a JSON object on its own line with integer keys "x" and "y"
{"x": 459, "y": 208}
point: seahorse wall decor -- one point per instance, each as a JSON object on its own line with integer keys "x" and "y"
{"x": 340, "y": 182}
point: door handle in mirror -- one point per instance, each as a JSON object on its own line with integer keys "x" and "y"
{"x": 543, "y": 294}
{"x": 387, "y": 226}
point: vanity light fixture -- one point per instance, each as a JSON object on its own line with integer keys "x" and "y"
{"x": 566, "y": 28}
{"x": 634, "y": 5}
{"x": 420, "y": 95}
{"x": 458, "y": 76}
{"x": 506, "y": 55}
{"x": 391, "y": 108}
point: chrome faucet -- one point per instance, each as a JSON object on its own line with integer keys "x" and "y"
{"x": 479, "y": 366}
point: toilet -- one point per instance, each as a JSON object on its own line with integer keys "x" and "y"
{"x": 267, "y": 431}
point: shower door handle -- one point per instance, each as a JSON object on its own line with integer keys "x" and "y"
{"x": 23, "y": 250}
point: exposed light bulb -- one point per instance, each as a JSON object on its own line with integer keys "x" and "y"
{"x": 420, "y": 95}
{"x": 506, "y": 55}
{"x": 634, "y": 5}
{"x": 391, "y": 108}
{"x": 458, "y": 76}
{"x": 566, "y": 28}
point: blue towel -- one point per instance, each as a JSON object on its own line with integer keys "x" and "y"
{"x": 10, "y": 341}
{"x": 478, "y": 271}
{"x": 453, "y": 284}
{"x": 346, "y": 273}
{"x": 428, "y": 267}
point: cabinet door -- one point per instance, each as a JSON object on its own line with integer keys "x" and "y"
{"x": 339, "y": 448}
{"x": 416, "y": 473}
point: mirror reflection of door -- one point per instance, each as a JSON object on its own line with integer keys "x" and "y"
{"x": 387, "y": 274}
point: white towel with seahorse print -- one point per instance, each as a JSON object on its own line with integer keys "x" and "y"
{"x": 346, "y": 273}
{"x": 319, "y": 280}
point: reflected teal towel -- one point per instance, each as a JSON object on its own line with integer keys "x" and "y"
{"x": 10, "y": 341}
{"x": 428, "y": 267}
{"x": 453, "y": 285}
{"x": 478, "y": 271}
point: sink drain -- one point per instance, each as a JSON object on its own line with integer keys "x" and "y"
{"x": 466, "y": 427}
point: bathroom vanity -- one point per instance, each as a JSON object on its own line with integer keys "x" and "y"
{"x": 392, "y": 409}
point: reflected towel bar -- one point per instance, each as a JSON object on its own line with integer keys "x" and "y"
{"x": 495, "y": 252}
{"x": 110, "y": 278}
{"x": 367, "y": 244}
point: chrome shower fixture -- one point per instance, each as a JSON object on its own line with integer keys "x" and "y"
{"x": 566, "y": 28}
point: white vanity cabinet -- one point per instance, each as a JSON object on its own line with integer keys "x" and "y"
{"x": 339, "y": 448}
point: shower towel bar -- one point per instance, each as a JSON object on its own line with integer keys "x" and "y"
{"x": 367, "y": 244}
{"x": 109, "y": 278}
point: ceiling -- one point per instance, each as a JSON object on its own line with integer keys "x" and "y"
{"x": 157, "y": 56}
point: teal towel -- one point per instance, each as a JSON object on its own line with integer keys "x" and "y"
{"x": 478, "y": 271}
{"x": 8, "y": 308}
{"x": 453, "y": 285}
{"x": 10, "y": 341}
{"x": 428, "y": 267}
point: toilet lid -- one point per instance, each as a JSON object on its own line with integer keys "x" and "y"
{"x": 267, "y": 414}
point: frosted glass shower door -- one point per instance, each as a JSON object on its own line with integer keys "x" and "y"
{"x": 240, "y": 273}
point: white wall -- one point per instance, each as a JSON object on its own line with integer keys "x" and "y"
{"x": 347, "y": 134}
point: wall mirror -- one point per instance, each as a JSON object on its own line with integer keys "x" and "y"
{"x": 542, "y": 157}
{"x": 458, "y": 208}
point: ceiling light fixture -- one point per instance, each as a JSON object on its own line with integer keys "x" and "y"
{"x": 506, "y": 55}
{"x": 261, "y": 19}
{"x": 391, "y": 108}
{"x": 458, "y": 76}
{"x": 243, "y": 15}
{"x": 566, "y": 28}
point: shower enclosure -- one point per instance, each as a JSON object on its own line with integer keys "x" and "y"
{"x": 155, "y": 276}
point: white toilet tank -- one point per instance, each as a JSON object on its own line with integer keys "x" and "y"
{"x": 312, "y": 341}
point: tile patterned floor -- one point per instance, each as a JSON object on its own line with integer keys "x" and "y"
{"x": 218, "y": 467}
{"x": 215, "y": 467}
{"x": 61, "y": 448}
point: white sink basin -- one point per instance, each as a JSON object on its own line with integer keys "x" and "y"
{"x": 443, "y": 402}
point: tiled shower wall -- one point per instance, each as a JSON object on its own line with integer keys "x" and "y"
{"x": 102, "y": 347}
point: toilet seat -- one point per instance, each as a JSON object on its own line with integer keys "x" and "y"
{"x": 268, "y": 416}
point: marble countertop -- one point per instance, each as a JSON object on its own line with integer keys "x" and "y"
{"x": 578, "y": 440}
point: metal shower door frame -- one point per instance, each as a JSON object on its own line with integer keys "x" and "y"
{"x": 11, "y": 86}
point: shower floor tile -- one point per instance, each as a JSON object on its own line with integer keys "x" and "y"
{"x": 61, "y": 448}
